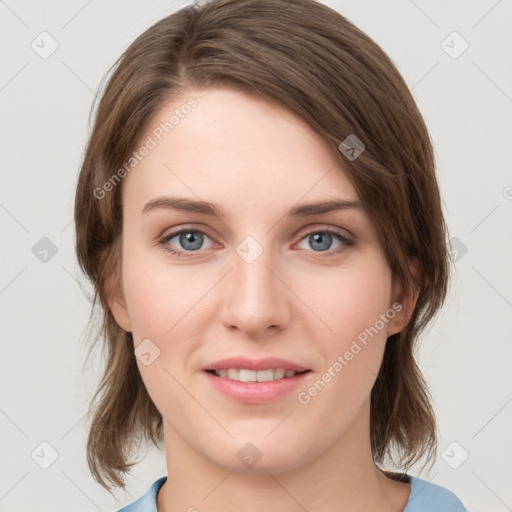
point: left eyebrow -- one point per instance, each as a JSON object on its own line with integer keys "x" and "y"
{"x": 212, "y": 209}
{"x": 305, "y": 210}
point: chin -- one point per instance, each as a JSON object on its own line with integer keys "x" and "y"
{"x": 253, "y": 457}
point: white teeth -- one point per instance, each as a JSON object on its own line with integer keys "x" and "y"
{"x": 233, "y": 373}
{"x": 243, "y": 375}
{"x": 280, "y": 373}
{"x": 246, "y": 375}
{"x": 264, "y": 375}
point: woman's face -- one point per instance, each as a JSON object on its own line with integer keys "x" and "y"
{"x": 260, "y": 279}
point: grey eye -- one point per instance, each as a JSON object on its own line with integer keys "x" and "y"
{"x": 320, "y": 241}
{"x": 188, "y": 240}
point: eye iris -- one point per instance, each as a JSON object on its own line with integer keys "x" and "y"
{"x": 321, "y": 237}
{"x": 196, "y": 239}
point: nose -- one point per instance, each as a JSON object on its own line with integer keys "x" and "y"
{"x": 255, "y": 299}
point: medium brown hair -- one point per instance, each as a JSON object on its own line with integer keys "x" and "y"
{"x": 312, "y": 60}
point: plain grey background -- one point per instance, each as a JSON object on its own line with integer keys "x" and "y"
{"x": 465, "y": 96}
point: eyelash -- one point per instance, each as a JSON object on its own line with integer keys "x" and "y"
{"x": 346, "y": 243}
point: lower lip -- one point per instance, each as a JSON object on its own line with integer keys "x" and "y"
{"x": 256, "y": 392}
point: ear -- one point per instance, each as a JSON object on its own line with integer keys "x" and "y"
{"x": 117, "y": 303}
{"x": 404, "y": 301}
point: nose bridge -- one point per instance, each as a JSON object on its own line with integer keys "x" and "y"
{"x": 255, "y": 298}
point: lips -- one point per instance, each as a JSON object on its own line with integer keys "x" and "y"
{"x": 256, "y": 381}
{"x": 242, "y": 363}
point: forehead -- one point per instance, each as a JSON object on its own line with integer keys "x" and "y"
{"x": 234, "y": 149}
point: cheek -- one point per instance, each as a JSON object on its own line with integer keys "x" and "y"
{"x": 162, "y": 302}
{"x": 350, "y": 305}
{"x": 158, "y": 296}
{"x": 348, "y": 300}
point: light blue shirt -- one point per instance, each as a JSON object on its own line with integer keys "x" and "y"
{"x": 424, "y": 497}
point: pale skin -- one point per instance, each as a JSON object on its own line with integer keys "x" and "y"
{"x": 256, "y": 160}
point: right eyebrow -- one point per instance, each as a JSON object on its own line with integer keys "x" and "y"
{"x": 185, "y": 205}
{"x": 207, "y": 208}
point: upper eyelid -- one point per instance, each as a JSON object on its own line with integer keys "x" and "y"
{"x": 172, "y": 232}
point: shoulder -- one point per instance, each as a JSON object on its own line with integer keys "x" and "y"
{"x": 428, "y": 497}
{"x": 147, "y": 502}
{"x": 425, "y": 497}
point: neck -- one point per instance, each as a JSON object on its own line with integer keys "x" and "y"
{"x": 343, "y": 479}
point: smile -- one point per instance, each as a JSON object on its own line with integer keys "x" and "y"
{"x": 244, "y": 375}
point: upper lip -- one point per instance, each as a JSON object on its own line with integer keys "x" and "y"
{"x": 255, "y": 364}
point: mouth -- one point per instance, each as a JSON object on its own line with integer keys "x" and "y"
{"x": 246, "y": 375}
{"x": 256, "y": 381}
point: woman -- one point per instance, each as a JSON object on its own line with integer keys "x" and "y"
{"x": 259, "y": 214}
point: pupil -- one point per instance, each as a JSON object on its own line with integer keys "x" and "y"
{"x": 193, "y": 239}
{"x": 319, "y": 238}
